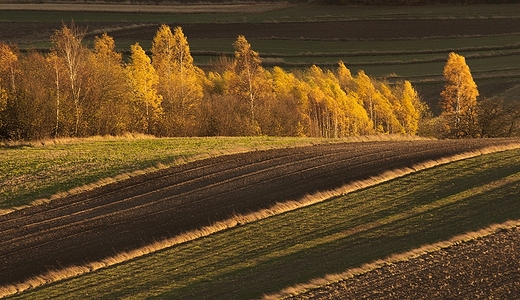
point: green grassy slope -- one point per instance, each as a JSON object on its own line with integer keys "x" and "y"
{"x": 332, "y": 236}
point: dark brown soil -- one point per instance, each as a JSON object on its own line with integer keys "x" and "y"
{"x": 484, "y": 268}
{"x": 345, "y": 30}
{"x": 129, "y": 214}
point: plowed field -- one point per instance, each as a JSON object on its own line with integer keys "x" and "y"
{"x": 130, "y": 214}
{"x": 13, "y": 32}
{"x": 484, "y": 268}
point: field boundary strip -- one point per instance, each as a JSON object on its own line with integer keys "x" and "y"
{"x": 237, "y": 220}
{"x": 316, "y": 283}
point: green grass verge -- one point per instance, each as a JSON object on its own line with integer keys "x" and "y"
{"x": 33, "y": 171}
{"x": 329, "y": 237}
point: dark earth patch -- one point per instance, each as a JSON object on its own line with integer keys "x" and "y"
{"x": 483, "y": 268}
{"x": 26, "y": 32}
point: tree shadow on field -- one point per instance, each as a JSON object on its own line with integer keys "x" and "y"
{"x": 468, "y": 214}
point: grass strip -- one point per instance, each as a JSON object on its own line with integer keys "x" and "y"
{"x": 329, "y": 237}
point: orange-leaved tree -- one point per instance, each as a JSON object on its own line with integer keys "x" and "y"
{"x": 378, "y": 107}
{"x": 459, "y": 99}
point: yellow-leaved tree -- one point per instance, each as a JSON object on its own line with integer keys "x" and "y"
{"x": 378, "y": 107}
{"x": 248, "y": 77}
{"x": 393, "y": 105}
{"x": 143, "y": 80}
{"x": 411, "y": 108}
{"x": 459, "y": 99}
{"x": 333, "y": 112}
{"x": 8, "y": 60}
{"x": 287, "y": 107}
{"x": 109, "y": 105}
{"x": 180, "y": 81}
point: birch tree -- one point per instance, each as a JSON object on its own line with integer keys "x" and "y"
{"x": 68, "y": 46}
{"x": 109, "y": 104}
{"x": 143, "y": 80}
{"x": 248, "y": 69}
{"x": 180, "y": 81}
{"x": 378, "y": 107}
{"x": 459, "y": 99}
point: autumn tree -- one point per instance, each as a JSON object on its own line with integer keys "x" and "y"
{"x": 58, "y": 69}
{"x": 68, "y": 46}
{"x": 108, "y": 105}
{"x": 411, "y": 109}
{"x": 249, "y": 72}
{"x": 378, "y": 107}
{"x": 221, "y": 110}
{"x": 180, "y": 81}
{"x": 459, "y": 99}
{"x": 35, "y": 100}
{"x": 499, "y": 117}
{"x": 346, "y": 81}
{"x": 393, "y": 105}
{"x": 8, "y": 62}
{"x": 143, "y": 79}
{"x": 288, "y": 107}
{"x": 334, "y": 112}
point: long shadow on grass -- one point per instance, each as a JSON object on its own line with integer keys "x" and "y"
{"x": 403, "y": 234}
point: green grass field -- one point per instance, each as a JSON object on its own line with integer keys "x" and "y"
{"x": 329, "y": 237}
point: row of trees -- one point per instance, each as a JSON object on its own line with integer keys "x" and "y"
{"x": 79, "y": 91}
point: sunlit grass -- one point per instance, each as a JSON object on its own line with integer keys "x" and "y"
{"x": 329, "y": 237}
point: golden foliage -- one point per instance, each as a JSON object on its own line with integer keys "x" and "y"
{"x": 87, "y": 92}
{"x": 459, "y": 99}
{"x": 143, "y": 81}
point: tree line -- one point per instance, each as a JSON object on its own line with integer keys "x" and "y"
{"x": 77, "y": 91}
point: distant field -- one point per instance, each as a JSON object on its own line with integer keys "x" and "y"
{"x": 147, "y": 8}
{"x": 394, "y": 42}
{"x": 329, "y": 237}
